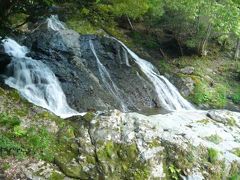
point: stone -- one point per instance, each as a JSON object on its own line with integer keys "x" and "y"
{"x": 69, "y": 56}
{"x": 187, "y": 86}
{"x": 187, "y": 70}
{"x": 225, "y": 117}
{"x": 4, "y": 59}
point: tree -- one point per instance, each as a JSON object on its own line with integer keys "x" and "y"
{"x": 31, "y": 8}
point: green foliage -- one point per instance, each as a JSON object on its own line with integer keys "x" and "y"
{"x": 235, "y": 177}
{"x": 9, "y": 147}
{"x": 212, "y": 155}
{"x": 19, "y": 131}
{"x": 205, "y": 94}
{"x": 215, "y": 139}
{"x": 82, "y": 27}
{"x": 236, "y": 97}
{"x": 40, "y": 143}
{"x": 174, "y": 172}
{"x": 236, "y": 151}
{"x": 130, "y": 8}
{"x": 19, "y": 141}
{"x": 231, "y": 122}
{"x": 9, "y": 121}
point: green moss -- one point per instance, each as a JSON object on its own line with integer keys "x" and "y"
{"x": 19, "y": 141}
{"x": 18, "y": 18}
{"x": 231, "y": 122}
{"x": 121, "y": 161}
{"x": 215, "y": 95}
{"x": 215, "y": 139}
{"x": 82, "y": 26}
{"x": 9, "y": 121}
{"x": 5, "y": 166}
{"x": 14, "y": 95}
{"x": 234, "y": 173}
{"x": 154, "y": 143}
{"x": 10, "y": 147}
{"x": 212, "y": 155}
{"x": 236, "y": 151}
{"x": 21, "y": 112}
{"x": 204, "y": 121}
{"x": 177, "y": 159}
{"x": 236, "y": 96}
{"x": 89, "y": 116}
{"x": 56, "y": 176}
{"x": 174, "y": 172}
{"x": 235, "y": 177}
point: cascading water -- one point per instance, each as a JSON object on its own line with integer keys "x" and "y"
{"x": 35, "y": 81}
{"x": 107, "y": 80}
{"x": 54, "y": 23}
{"x": 168, "y": 94}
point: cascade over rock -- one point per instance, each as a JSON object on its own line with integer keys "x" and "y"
{"x": 35, "y": 81}
{"x": 100, "y": 72}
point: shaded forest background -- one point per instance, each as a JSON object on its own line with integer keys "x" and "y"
{"x": 192, "y": 24}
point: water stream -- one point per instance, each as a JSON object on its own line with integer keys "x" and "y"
{"x": 35, "y": 81}
{"x": 168, "y": 94}
{"x": 107, "y": 80}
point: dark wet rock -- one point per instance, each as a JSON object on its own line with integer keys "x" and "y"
{"x": 69, "y": 56}
{"x": 4, "y": 59}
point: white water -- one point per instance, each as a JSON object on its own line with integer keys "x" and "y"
{"x": 168, "y": 94}
{"x": 54, "y": 23}
{"x": 107, "y": 80}
{"x": 35, "y": 81}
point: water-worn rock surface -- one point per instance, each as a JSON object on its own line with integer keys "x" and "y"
{"x": 115, "y": 145}
{"x": 70, "y": 57}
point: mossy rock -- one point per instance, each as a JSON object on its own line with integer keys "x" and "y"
{"x": 56, "y": 176}
{"x": 121, "y": 161}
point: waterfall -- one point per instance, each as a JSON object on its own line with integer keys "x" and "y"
{"x": 168, "y": 94}
{"x": 54, "y": 23}
{"x": 107, "y": 80}
{"x": 35, "y": 81}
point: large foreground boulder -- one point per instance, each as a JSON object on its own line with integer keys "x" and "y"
{"x": 115, "y": 145}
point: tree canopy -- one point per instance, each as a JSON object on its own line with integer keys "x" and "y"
{"x": 201, "y": 19}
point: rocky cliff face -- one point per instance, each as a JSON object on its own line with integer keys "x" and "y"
{"x": 70, "y": 57}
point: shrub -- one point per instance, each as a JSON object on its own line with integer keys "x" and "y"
{"x": 212, "y": 155}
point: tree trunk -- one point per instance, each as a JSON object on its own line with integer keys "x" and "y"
{"x": 203, "y": 45}
{"x": 130, "y": 23}
{"x": 180, "y": 47}
{"x": 236, "y": 55}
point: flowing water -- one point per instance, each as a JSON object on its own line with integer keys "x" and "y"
{"x": 54, "y": 23}
{"x": 107, "y": 80}
{"x": 168, "y": 94}
{"x": 38, "y": 84}
{"x": 35, "y": 81}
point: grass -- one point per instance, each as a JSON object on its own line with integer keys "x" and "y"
{"x": 214, "y": 96}
{"x": 215, "y": 77}
{"x": 20, "y": 142}
{"x": 215, "y": 139}
{"x": 82, "y": 27}
{"x": 212, "y": 155}
{"x": 231, "y": 122}
{"x": 236, "y": 151}
{"x": 174, "y": 172}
